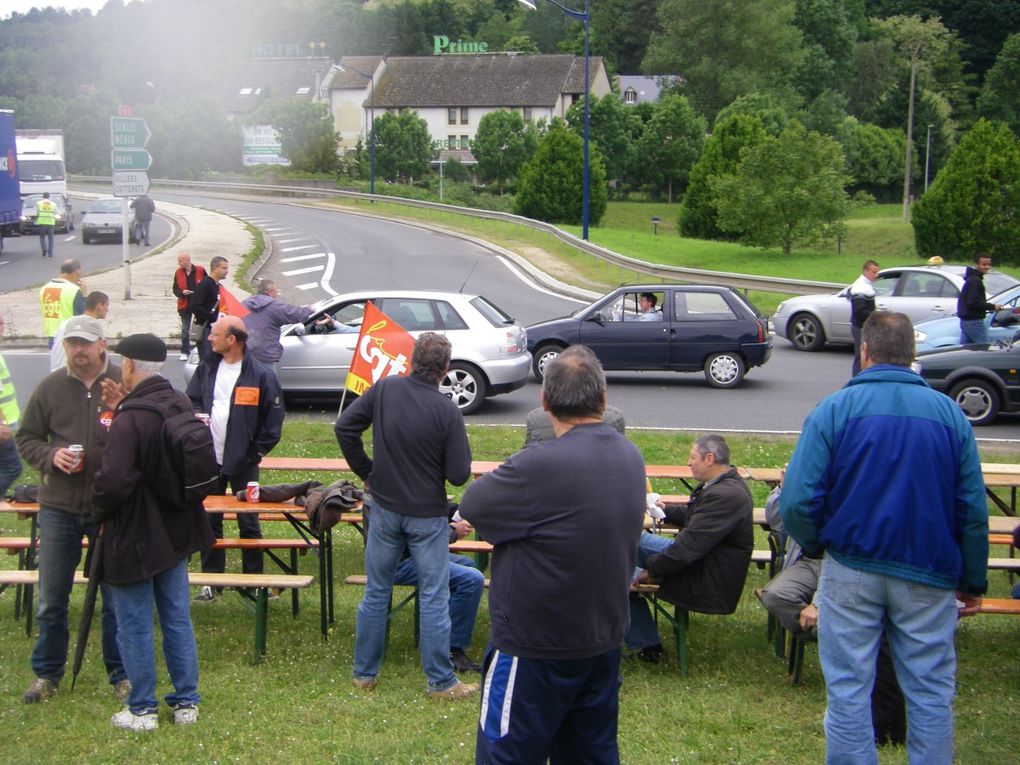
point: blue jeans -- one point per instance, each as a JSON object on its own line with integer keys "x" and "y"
{"x": 427, "y": 539}
{"x": 466, "y": 586}
{"x": 973, "y": 331}
{"x": 142, "y": 231}
{"x": 854, "y": 607}
{"x": 60, "y": 536}
{"x": 10, "y": 465}
{"x": 46, "y": 240}
{"x": 643, "y": 631}
{"x": 185, "y": 331}
{"x": 135, "y": 637}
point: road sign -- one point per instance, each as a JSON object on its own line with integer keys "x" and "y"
{"x": 130, "y": 159}
{"x": 130, "y": 183}
{"x": 128, "y": 133}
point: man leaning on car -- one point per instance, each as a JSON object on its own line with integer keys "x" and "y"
{"x": 972, "y": 305}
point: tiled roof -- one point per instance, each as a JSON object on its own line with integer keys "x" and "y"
{"x": 480, "y": 80}
{"x": 276, "y": 77}
{"x": 350, "y": 78}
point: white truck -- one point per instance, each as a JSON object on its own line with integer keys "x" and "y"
{"x": 41, "y": 162}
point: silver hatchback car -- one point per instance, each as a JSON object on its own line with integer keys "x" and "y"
{"x": 921, "y": 292}
{"x": 490, "y": 349}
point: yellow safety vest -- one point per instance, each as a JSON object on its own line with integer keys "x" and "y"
{"x": 45, "y": 213}
{"x": 8, "y": 401}
{"x": 57, "y": 299}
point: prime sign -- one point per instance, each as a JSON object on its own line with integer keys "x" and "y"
{"x": 441, "y": 44}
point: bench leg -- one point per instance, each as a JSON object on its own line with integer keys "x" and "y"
{"x": 680, "y": 619}
{"x": 294, "y": 600}
{"x": 327, "y": 541}
{"x": 796, "y": 666}
{"x": 261, "y": 622}
{"x": 323, "y": 587}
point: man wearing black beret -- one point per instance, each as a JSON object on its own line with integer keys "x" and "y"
{"x": 147, "y": 542}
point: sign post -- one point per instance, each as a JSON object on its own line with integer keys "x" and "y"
{"x": 129, "y": 164}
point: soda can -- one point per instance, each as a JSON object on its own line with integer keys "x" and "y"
{"x": 79, "y": 457}
{"x": 252, "y": 491}
{"x": 203, "y": 418}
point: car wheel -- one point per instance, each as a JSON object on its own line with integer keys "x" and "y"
{"x": 465, "y": 386}
{"x": 724, "y": 370}
{"x": 978, "y": 399}
{"x": 543, "y": 356}
{"x": 806, "y": 332}
{"x": 85, "y": 239}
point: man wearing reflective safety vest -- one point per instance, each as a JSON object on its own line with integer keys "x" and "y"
{"x": 10, "y": 413}
{"x": 46, "y": 220}
{"x": 62, "y": 297}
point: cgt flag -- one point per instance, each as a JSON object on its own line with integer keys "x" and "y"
{"x": 384, "y": 349}
{"x": 230, "y": 304}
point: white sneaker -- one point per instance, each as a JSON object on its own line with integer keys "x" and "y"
{"x": 207, "y": 595}
{"x": 128, "y": 720}
{"x": 184, "y": 357}
{"x": 185, "y": 715}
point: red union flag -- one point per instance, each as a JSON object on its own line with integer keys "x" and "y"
{"x": 230, "y": 304}
{"x": 384, "y": 349}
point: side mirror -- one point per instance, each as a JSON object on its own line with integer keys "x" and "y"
{"x": 1004, "y": 318}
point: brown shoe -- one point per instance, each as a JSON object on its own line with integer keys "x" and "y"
{"x": 455, "y": 692}
{"x": 41, "y": 689}
{"x": 365, "y": 683}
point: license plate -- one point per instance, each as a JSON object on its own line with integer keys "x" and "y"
{"x": 107, "y": 231}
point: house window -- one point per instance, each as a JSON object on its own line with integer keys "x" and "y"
{"x": 451, "y": 142}
{"x": 451, "y": 115}
{"x": 303, "y": 91}
{"x": 630, "y": 97}
{"x": 527, "y": 114}
{"x": 464, "y": 142}
{"x": 463, "y": 115}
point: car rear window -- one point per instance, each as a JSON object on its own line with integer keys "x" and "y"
{"x": 703, "y": 306}
{"x": 448, "y": 315}
{"x": 414, "y": 315}
{"x": 493, "y": 313}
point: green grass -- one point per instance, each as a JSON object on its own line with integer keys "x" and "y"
{"x": 298, "y": 706}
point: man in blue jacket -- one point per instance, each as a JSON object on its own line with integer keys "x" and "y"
{"x": 886, "y": 482}
{"x": 245, "y": 408}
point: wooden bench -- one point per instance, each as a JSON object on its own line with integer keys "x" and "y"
{"x": 1005, "y": 606}
{"x": 243, "y": 583}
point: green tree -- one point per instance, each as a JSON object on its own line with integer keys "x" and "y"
{"x": 974, "y": 204}
{"x": 788, "y": 190}
{"x": 1000, "y": 96}
{"x": 402, "y": 146}
{"x": 614, "y": 129}
{"x": 772, "y": 115}
{"x": 872, "y": 156}
{"x": 502, "y": 145}
{"x": 87, "y": 132}
{"x": 670, "y": 145}
{"x": 191, "y": 136}
{"x": 830, "y": 31}
{"x": 550, "y": 185}
{"x": 726, "y": 48}
{"x": 306, "y": 133}
{"x": 729, "y": 142}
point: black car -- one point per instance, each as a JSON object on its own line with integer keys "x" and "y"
{"x": 679, "y": 328}
{"x": 983, "y": 379}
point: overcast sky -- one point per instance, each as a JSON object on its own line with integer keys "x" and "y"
{"x": 7, "y": 7}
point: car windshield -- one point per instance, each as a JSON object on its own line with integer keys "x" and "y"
{"x": 996, "y": 281}
{"x": 104, "y": 206}
{"x": 40, "y": 169}
{"x": 32, "y": 200}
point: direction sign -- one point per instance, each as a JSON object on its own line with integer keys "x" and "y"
{"x": 130, "y": 183}
{"x": 130, "y": 159}
{"x": 128, "y": 133}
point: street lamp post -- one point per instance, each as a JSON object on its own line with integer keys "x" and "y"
{"x": 371, "y": 112}
{"x": 927, "y": 155}
{"x": 584, "y": 16}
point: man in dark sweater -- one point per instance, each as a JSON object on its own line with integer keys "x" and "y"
{"x": 561, "y": 568}
{"x": 972, "y": 306}
{"x": 704, "y": 567}
{"x": 205, "y": 306}
{"x": 418, "y": 444}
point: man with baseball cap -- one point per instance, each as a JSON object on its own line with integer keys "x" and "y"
{"x": 67, "y": 409}
{"x": 145, "y": 555}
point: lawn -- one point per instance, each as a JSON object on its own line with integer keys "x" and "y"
{"x": 298, "y": 705}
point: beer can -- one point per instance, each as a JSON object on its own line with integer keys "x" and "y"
{"x": 202, "y": 417}
{"x": 79, "y": 457}
{"x": 252, "y": 491}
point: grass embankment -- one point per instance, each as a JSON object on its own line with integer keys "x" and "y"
{"x": 298, "y": 706}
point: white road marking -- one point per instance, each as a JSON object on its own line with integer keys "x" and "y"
{"x": 299, "y": 247}
{"x": 531, "y": 283}
{"x": 308, "y": 286}
{"x": 298, "y": 271}
{"x": 296, "y": 258}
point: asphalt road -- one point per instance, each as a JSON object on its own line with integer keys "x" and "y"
{"x": 319, "y": 253}
{"x": 21, "y": 265}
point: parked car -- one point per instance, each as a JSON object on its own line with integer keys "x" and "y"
{"x": 63, "y": 215}
{"x": 489, "y": 355}
{"x": 103, "y": 219}
{"x": 921, "y": 292}
{"x": 983, "y": 379}
{"x": 695, "y": 328}
{"x": 944, "y": 333}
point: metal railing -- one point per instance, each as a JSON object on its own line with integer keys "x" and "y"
{"x": 667, "y": 273}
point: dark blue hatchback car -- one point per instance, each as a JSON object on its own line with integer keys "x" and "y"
{"x": 679, "y": 328}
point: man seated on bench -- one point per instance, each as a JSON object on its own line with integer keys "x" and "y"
{"x": 704, "y": 567}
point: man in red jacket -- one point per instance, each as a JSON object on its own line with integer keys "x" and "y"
{"x": 185, "y": 279}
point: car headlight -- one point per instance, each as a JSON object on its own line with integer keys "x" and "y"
{"x": 919, "y": 336}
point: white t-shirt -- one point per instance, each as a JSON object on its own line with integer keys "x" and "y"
{"x": 223, "y": 392}
{"x": 58, "y": 358}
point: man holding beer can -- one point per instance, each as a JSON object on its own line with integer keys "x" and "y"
{"x": 243, "y": 400}
{"x": 62, "y": 435}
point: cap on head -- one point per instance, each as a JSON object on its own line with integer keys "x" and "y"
{"x": 84, "y": 328}
{"x": 142, "y": 347}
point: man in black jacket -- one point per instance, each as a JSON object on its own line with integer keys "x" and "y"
{"x": 704, "y": 567}
{"x": 972, "y": 306}
{"x": 245, "y": 408}
{"x": 146, "y": 543}
{"x": 205, "y": 304}
{"x": 862, "y": 305}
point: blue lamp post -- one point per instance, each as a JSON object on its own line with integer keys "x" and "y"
{"x": 584, "y": 16}
{"x": 371, "y": 111}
